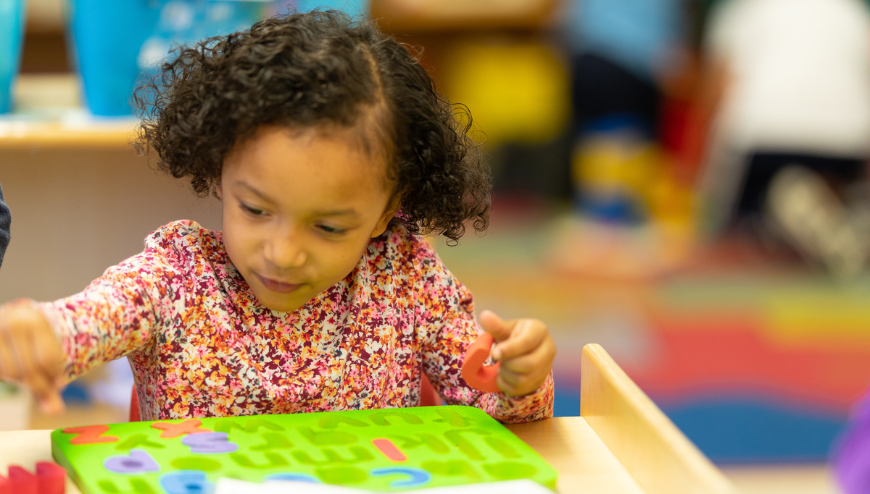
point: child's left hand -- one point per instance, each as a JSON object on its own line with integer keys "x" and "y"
{"x": 524, "y": 348}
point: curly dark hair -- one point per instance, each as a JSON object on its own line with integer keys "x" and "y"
{"x": 318, "y": 69}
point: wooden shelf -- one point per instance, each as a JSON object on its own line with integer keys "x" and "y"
{"x": 438, "y": 16}
{"x": 48, "y": 113}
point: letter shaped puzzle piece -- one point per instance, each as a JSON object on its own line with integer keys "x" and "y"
{"x": 415, "y": 477}
{"x": 210, "y": 443}
{"x": 292, "y": 476}
{"x": 477, "y": 375}
{"x": 172, "y": 430}
{"x": 21, "y": 481}
{"x": 91, "y": 434}
{"x": 138, "y": 461}
{"x": 186, "y": 482}
{"x": 389, "y": 450}
{"x": 50, "y": 478}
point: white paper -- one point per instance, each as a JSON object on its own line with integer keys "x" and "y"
{"x": 233, "y": 486}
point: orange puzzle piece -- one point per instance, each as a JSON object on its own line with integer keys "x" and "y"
{"x": 170, "y": 430}
{"x": 477, "y": 375}
{"x": 90, "y": 434}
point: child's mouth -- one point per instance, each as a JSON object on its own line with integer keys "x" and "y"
{"x": 277, "y": 286}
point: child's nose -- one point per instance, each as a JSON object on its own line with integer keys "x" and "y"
{"x": 286, "y": 250}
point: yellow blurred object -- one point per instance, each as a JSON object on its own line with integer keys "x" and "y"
{"x": 623, "y": 167}
{"x": 517, "y": 91}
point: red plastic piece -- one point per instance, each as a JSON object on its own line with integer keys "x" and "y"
{"x": 4, "y": 485}
{"x": 90, "y": 434}
{"x": 135, "y": 415}
{"x": 21, "y": 481}
{"x": 172, "y": 430}
{"x": 477, "y": 375}
{"x": 51, "y": 478}
{"x": 389, "y": 450}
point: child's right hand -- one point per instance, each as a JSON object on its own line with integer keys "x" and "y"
{"x": 31, "y": 354}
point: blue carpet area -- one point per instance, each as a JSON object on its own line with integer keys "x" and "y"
{"x": 742, "y": 429}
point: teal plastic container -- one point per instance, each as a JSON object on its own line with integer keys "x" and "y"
{"x": 354, "y": 8}
{"x": 11, "y": 34}
{"x": 116, "y": 42}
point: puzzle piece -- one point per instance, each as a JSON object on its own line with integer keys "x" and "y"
{"x": 214, "y": 443}
{"x": 138, "y": 461}
{"x": 49, "y": 479}
{"x": 22, "y": 482}
{"x": 295, "y": 477}
{"x": 415, "y": 477}
{"x": 173, "y": 430}
{"x": 477, "y": 375}
{"x": 389, "y": 450}
{"x": 186, "y": 482}
{"x": 90, "y": 434}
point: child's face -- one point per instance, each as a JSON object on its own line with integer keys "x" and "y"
{"x": 299, "y": 207}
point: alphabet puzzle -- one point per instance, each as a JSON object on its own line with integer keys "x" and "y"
{"x": 381, "y": 450}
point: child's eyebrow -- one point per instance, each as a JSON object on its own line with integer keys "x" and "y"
{"x": 251, "y": 189}
{"x": 349, "y": 212}
{"x": 338, "y": 212}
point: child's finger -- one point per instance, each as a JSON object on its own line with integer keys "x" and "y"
{"x": 525, "y": 338}
{"x": 45, "y": 392}
{"x": 528, "y": 363}
{"x": 496, "y": 326}
{"x": 518, "y": 385}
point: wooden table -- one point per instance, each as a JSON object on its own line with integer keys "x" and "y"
{"x": 621, "y": 443}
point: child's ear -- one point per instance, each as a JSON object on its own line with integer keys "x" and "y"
{"x": 218, "y": 190}
{"x": 390, "y": 211}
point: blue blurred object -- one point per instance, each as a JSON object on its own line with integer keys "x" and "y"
{"x": 77, "y": 393}
{"x": 11, "y": 33}
{"x": 737, "y": 429}
{"x": 115, "y": 42}
{"x": 354, "y": 8}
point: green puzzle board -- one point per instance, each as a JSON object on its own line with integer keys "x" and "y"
{"x": 453, "y": 445}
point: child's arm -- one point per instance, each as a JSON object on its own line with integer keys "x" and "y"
{"x": 446, "y": 321}
{"x": 46, "y": 345}
{"x": 31, "y": 354}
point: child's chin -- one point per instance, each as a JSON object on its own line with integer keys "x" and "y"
{"x": 275, "y": 303}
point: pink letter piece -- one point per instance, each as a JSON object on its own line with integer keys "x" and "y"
{"x": 474, "y": 372}
{"x": 390, "y": 450}
{"x": 21, "y": 481}
{"x": 90, "y": 434}
{"x": 51, "y": 478}
{"x": 172, "y": 430}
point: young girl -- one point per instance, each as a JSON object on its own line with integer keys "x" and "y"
{"x": 330, "y": 151}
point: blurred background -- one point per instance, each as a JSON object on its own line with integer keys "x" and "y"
{"x": 681, "y": 181}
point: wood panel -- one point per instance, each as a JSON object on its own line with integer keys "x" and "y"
{"x": 650, "y": 447}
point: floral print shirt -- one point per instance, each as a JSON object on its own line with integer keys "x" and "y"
{"x": 201, "y": 345}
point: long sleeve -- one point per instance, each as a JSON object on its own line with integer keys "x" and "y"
{"x": 446, "y": 317}
{"x": 5, "y": 225}
{"x": 116, "y": 314}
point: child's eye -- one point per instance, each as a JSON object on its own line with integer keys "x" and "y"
{"x": 331, "y": 229}
{"x": 252, "y": 210}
